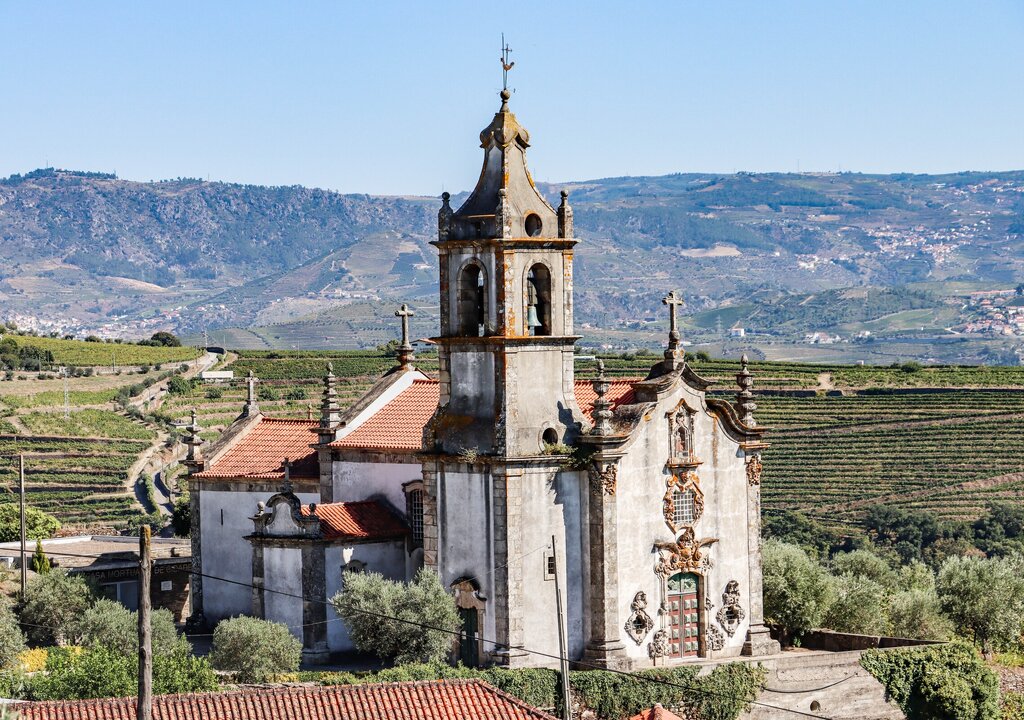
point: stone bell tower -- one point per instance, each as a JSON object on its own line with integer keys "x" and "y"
{"x": 506, "y": 344}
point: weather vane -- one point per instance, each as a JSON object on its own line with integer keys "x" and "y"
{"x": 505, "y": 64}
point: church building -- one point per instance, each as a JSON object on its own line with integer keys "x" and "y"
{"x": 642, "y": 495}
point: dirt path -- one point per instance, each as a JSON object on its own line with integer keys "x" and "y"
{"x": 969, "y": 486}
{"x": 825, "y": 382}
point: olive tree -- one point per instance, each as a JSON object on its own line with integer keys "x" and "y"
{"x": 54, "y": 604}
{"x": 797, "y": 590}
{"x": 859, "y": 606}
{"x": 403, "y": 622}
{"x": 918, "y": 614}
{"x": 255, "y": 650}
{"x": 984, "y": 597}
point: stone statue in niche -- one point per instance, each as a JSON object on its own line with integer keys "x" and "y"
{"x": 658, "y": 646}
{"x": 639, "y": 622}
{"x": 731, "y": 615}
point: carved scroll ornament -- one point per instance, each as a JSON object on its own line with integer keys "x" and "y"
{"x": 731, "y": 615}
{"x": 658, "y": 646}
{"x": 754, "y": 470}
{"x": 607, "y": 477}
{"x": 686, "y": 554}
{"x": 639, "y": 622}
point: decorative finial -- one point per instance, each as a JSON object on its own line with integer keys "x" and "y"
{"x": 565, "y": 217}
{"x": 192, "y": 441}
{"x": 502, "y": 216}
{"x": 602, "y": 406}
{"x": 405, "y": 351}
{"x": 673, "y": 355}
{"x": 330, "y": 410}
{"x": 745, "y": 405}
{"x": 251, "y": 407}
{"x": 286, "y": 486}
{"x": 444, "y": 217}
{"x": 505, "y": 67}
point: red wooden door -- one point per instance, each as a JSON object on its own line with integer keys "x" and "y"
{"x": 684, "y": 615}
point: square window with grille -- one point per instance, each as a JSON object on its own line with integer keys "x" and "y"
{"x": 682, "y": 507}
{"x": 416, "y": 515}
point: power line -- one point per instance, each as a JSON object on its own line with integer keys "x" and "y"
{"x": 457, "y": 633}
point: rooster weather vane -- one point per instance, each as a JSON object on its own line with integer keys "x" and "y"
{"x": 505, "y": 64}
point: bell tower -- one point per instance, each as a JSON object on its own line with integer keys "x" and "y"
{"x": 506, "y": 343}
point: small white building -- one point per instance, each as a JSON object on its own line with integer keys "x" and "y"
{"x": 217, "y": 376}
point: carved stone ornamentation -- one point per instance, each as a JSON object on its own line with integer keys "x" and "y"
{"x": 754, "y": 470}
{"x": 686, "y": 554}
{"x": 444, "y": 218}
{"x": 731, "y": 615}
{"x": 683, "y": 483}
{"x": 658, "y": 646}
{"x": 607, "y": 477}
{"x": 716, "y": 641}
{"x": 639, "y": 622}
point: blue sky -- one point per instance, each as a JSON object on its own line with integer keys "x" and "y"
{"x": 388, "y": 97}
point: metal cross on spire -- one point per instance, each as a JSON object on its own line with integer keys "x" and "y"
{"x": 405, "y": 355}
{"x": 505, "y": 64}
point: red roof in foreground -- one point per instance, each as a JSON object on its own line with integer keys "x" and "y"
{"x": 656, "y": 713}
{"x": 261, "y": 452}
{"x": 439, "y": 700}
{"x": 365, "y": 520}
{"x": 399, "y": 424}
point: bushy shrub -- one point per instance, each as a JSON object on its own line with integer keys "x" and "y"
{"x": 860, "y": 606}
{"x": 385, "y": 617}
{"x": 38, "y": 525}
{"x": 985, "y": 598}
{"x": 797, "y": 590}
{"x": 178, "y": 385}
{"x": 181, "y": 517}
{"x": 255, "y": 650}
{"x": 940, "y": 682}
{"x": 864, "y": 564}
{"x": 111, "y": 625}
{"x": 12, "y": 641}
{"x": 918, "y": 614}
{"x": 915, "y": 575}
{"x": 1013, "y": 706}
{"x": 103, "y": 672}
{"x": 54, "y": 603}
{"x": 40, "y": 564}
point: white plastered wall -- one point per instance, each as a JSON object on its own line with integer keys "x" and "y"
{"x": 386, "y": 558}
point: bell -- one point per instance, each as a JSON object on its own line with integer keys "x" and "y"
{"x": 532, "y": 321}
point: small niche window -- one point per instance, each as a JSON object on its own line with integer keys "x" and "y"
{"x": 472, "y": 301}
{"x": 550, "y": 436}
{"x": 683, "y": 512}
{"x": 538, "y": 300}
{"x": 549, "y": 565}
{"x": 533, "y": 224}
{"x": 414, "y": 500}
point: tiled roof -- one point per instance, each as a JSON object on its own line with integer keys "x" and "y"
{"x": 260, "y": 453}
{"x": 620, "y": 392}
{"x": 399, "y": 424}
{"x": 656, "y": 713}
{"x": 365, "y": 520}
{"x": 438, "y": 700}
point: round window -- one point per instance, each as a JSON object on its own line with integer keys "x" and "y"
{"x": 533, "y": 225}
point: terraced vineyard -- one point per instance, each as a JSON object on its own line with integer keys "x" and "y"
{"x": 948, "y": 452}
{"x": 81, "y": 481}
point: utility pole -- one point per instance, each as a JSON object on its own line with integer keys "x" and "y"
{"x": 144, "y": 707}
{"x": 21, "y": 502}
{"x": 563, "y": 658}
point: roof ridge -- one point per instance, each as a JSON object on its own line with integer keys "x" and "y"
{"x": 303, "y": 421}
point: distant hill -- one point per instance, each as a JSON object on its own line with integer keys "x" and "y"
{"x": 771, "y": 252}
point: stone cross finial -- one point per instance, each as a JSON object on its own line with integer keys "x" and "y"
{"x": 672, "y": 353}
{"x": 286, "y": 486}
{"x": 602, "y": 406}
{"x": 251, "y": 407}
{"x": 565, "y": 217}
{"x": 506, "y": 65}
{"x": 745, "y": 405}
{"x": 405, "y": 351}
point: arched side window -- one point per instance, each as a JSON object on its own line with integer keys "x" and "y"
{"x": 538, "y": 300}
{"x": 472, "y": 301}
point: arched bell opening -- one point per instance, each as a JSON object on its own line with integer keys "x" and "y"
{"x": 472, "y": 319}
{"x": 538, "y": 300}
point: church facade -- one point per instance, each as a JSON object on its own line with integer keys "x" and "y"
{"x": 641, "y": 495}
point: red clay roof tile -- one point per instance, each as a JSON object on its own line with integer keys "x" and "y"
{"x": 437, "y": 700}
{"x": 261, "y": 452}
{"x": 364, "y": 520}
{"x": 656, "y": 713}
